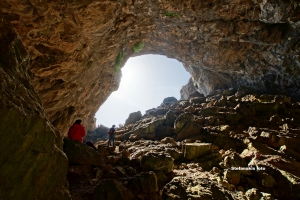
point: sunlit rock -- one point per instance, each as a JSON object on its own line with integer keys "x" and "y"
{"x": 195, "y": 150}
{"x": 133, "y": 117}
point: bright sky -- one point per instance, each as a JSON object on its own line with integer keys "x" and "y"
{"x": 146, "y": 81}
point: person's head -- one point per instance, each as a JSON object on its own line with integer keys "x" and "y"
{"x": 113, "y": 126}
{"x": 78, "y": 121}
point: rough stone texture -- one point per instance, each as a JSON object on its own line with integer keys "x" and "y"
{"x": 81, "y": 154}
{"x": 198, "y": 100}
{"x": 144, "y": 185}
{"x": 223, "y": 161}
{"x": 58, "y": 62}
{"x": 111, "y": 189}
{"x": 133, "y": 117}
{"x": 73, "y": 46}
{"x": 169, "y": 100}
{"x": 195, "y": 150}
{"x": 187, "y": 90}
{"x": 157, "y": 162}
{"x": 32, "y": 163}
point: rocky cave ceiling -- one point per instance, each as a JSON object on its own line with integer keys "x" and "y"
{"x": 71, "y": 47}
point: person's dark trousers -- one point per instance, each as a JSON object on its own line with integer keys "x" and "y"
{"x": 111, "y": 138}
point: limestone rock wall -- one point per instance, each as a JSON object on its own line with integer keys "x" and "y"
{"x": 73, "y": 46}
{"x": 32, "y": 164}
{"x": 187, "y": 90}
{"x": 60, "y": 61}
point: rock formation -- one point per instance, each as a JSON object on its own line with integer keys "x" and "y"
{"x": 100, "y": 133}
{"x": 61, "y": 60}
{"x": 133, "y": 117}
{"x": 187, "y": 90}
{"x": 223, "y": 148}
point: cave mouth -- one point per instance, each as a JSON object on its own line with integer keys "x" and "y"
{"x": 146, "y": 81}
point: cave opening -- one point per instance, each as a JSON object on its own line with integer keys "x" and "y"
{"x": 146, "y": 81}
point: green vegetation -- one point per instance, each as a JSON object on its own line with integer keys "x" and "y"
{"x": 119, "y": 60}
{"x": 171, "y": 14}
{"x": 138, "y": 46}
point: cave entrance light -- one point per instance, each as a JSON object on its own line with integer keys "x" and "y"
{"x": 146, "y": 81}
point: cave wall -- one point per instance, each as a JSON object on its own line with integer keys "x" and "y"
{"x": 32, "y": 164}
{"x": 74, "y": 45}
{"x": 59, "y": 61}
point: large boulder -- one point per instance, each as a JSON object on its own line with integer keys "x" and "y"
{"x": 143, "y": 185}
{"x": 187, "y": 90}
{"x": 185, "y": 127}
{"x": 208, "y": 111}
{"x": 81, "y": 154}
{"x": 158, "y": 111}
{"x": 143, "y": 130}
{"x": 198, "y": 100}
{"x": 233, "y": 118}
{"x": 243, "y": 91}
{"x": 196, "y": 94}
{"x": 112, "y": 190}
{"x": 170, "y": 100}
{"x": 232, "y": 176}
{"x": 170, "y": 118}
{"x": 182, "y": 120}
{"x": 157, "y": 162}
{"x": 133, "y": 117}
{"x": 164, "y": 131}
{"x": 191, "y": 129}
{"x": 196, "y": 150}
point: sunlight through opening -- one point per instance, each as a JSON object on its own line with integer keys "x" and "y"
{"x": 146, "y": 81}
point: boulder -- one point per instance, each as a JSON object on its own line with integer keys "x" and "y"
{"x": 266, "y": 109}
{"x": 158, "y": 111}
{"x": 170, "y": 100}
{"x": 182, "y": 120}
{"x": 196, "y": 94}
{"x": 253, "y": 194}
{"x": 164, "y": 131}
{"x": 81, "y": 154}
{"x": 146, "y": 131}
{"x": 133, "y": 117}
{"x": 113, "y": 190}
{"x": 143, "y": 185}
{"x": 190, "y": 109}
{"x": 233, "y": 118}
{"x": 232, "y": 159}
{"x": 221, "y": 102}
{"x": 198, "y": 100}
{"x": 228, "y": 92}
{"x": 170, "y": 118}
{"x": 191, "y": 129}
{"x": 232, "y": 176}
{"x": 174, "y": 153}
{"x": 208, "y": 111}
{"x": 243, "y": 91}
{"x": 196, "y": 150}
{"x": 157, "y": 162}
{"x": 168, "y": 140}
{"x": 245, "y": 109}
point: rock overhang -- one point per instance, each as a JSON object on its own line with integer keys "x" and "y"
{"x": 73, "y": 47}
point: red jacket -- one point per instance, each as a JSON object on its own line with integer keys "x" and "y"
{"x": 76, "y": 132}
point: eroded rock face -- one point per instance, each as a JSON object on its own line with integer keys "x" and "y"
{"x": 73, "y": 46}
{"x": 32, "y": 163}
{"x": 59, "y": 61}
